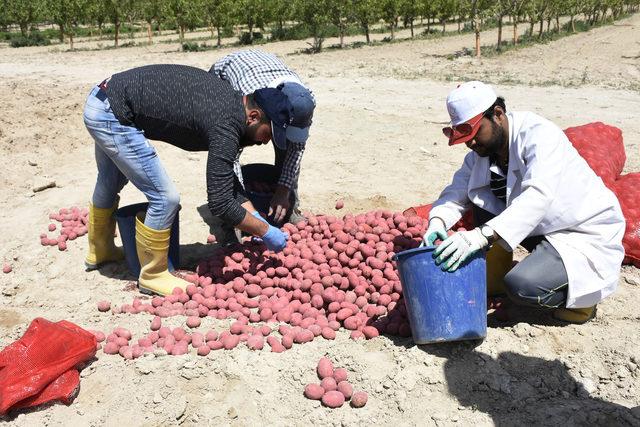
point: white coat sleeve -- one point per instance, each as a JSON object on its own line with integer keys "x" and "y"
{"x": 454, "y": 199}
{"x": 542, "y": 149}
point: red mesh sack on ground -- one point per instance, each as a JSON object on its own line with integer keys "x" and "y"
{"x": 39, "y": 367}
{"x": 63, "y": 389}
{"x": 423, "y": 212}
{"x": 602, "y": 147}
{"x": 627, "y": 189}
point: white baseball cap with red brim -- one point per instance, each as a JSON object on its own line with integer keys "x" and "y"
{"x": 466, "y": 105}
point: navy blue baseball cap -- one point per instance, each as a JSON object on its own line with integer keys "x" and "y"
{"x": 303, "y": 106}
{"x": 290, "y": 108}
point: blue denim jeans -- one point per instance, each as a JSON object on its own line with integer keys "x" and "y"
{"x": 124, "y": 154}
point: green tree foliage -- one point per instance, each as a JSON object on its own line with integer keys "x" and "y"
{"x": 446, "y": 10}
{"x": 218, "y": 14}
{"x": 315, "y": 15}
{"x": 340, "y": 15}
{"x": 67, "y": 15}
{"x": 409, "y": 12}
{"x": 151, "y": 12}
{"x": 253, "y": 14}
{"x": 24, "y": 13}
{"x": 185, "y": 14}
{"x": 390, "y": 11}
{"x": 366, "y": 13}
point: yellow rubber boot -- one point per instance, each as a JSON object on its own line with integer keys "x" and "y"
{"x": 575, "y": 315}
{"x": 499, "y": 262}
{"x": 152, "y": 247}
{"x": 101, "y": 229}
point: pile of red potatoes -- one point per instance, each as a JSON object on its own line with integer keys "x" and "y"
{"x": 334, "y": 273}
{"x": 334, "y": 388}
{"x": 73, "y": 224}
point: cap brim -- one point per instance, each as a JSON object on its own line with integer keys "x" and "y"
{"x": 279, "y": 136}
{"x": 297, "y": 135}
{"x": 458, "y": 138}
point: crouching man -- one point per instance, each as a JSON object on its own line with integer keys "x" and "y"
{"x": 528, "y": 186}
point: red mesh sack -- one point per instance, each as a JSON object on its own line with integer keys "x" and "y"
{"x": 627, "y": 189}
{"x": 423, "y": 212}
{"x": 34, "y": 369}
{"x": 602, "y": 147}
{"x": 63, "y": 389}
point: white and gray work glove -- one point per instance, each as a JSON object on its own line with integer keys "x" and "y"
{"x": 436, "y": 230}
{"x": 458, "y": 248}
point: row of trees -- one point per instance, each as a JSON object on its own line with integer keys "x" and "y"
{"x": 319, "y": 16}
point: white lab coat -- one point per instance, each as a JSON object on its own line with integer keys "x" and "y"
{"x": 551, "y": 191}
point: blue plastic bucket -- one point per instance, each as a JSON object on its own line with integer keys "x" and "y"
{"x": 443, "y": 306}
{"x": 126, "y": 219}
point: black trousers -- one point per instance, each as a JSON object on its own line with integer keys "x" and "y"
{"x": 539, "y": 280}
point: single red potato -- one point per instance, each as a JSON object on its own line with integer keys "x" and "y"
{"x": 324, "y": 368}
{"x": 203, "y": 350}
{"x": 6, "y": 268}
{"x": 156, "y": 323}
{"x": 359, "y": 399}
{"x": 111, "y": 348}
{"x": 104, "y": 306}
{"x": 193, "y": 321}
{"x": 345, "y": 388}
{"x": 339, "y": 204}
{"x": 329, "y": 384}
{"x": 255, "y": 342}
{"x": 340, "y": 375}
{"x": 333, "y": 399}
{"x": 313, "y": 391}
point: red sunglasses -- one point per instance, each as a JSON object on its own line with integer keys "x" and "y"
{"x": 461, "y": 130}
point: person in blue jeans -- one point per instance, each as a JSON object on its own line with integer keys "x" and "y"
{"x": 195, "y": 111}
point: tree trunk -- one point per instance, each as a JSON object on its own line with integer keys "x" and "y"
{"x": 444, "y": 26}
{"x": 392, "y": 31}
{"x": 250, "y": 26}
{"x": 366, "y": 33}
{"x": 61, "y": 33}
{"x": 71, "y": 41}
{"x": 219, "y": 36}
{"x": 342, "y": 29}
{"x": 181, "y": 32}
{"x": 573, "y": 25}
{"x": 411, "y": 23}
{"x": 548, "y": 24}
{"x": 149, "y": 32}
{"x": 499, "y": 33}
{"x": 532, "y": 24}
{"x": 515, "y": 32}
{"x": 478, "y": 53}
{"x": 117, "y": 33}
{"x": 541, "y": 28}
{"x": 23, "y": 29}
{"x": 459, "y": 24}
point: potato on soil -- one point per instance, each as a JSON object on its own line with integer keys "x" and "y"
{"x": 359, "y": 399}
{"x": 333, "y": 399}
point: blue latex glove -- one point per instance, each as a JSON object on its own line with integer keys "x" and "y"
{"x": 274, "y": 239}
{"x": 458, "y": 248}
{"x": 434, "y": 232}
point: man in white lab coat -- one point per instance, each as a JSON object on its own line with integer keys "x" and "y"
{"x": 528, "y": 186}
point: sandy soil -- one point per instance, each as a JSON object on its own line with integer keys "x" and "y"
{"x": 376, "y": 143}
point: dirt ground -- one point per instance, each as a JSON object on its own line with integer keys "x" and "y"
{"x": 376, "y": 143}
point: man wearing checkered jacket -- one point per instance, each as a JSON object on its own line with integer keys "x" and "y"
{"x": 248, "y": 71}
